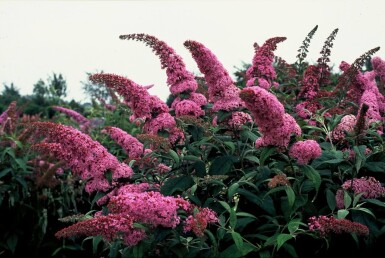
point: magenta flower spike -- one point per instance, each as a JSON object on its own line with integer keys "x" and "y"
{"x": 270, "y": 117}
{"x": 220, "y": 85}
{"x": 142, "y": 104}
{"x": 132, "y": 146}
{"x": 110, "y": 227}
{"x": 327, "y": 225}
{"x": 84, "y": 156}
{"x": 262, "y": 64}
{"x": 179, "y": 79}
{"x": 83, "y": 122}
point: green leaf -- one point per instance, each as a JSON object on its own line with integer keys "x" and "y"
{"x": 245, "y": 214}
{"x": 282, "y": 238}
{"x": 265, "y": 154}
{"x": 95, "y": 243}
{"x": 174, "y": 156}
{"x": 200, "y": 168}
{"x": 231, "y": 145}
{"x": 331, "y": 199}
{"x": 366, "y": 211}
{"x": 294, "y": 224}
{"x": 12, "y": 243}
{"x": 252, "y": 159}
{"x": 341, "y": 214}
{"x": 237, "y": 240}
{"x": 232, "y": 189}
{"x": 249, "y": 135}
{"x": 356, "y": 199}
{"x": 221, "y": 165}
{"x": 5, "y": 171}
{"x": 290, "y": 196}
{"x": 328, "y": 158}
{"x": 347, "y": 200}
{"x": 180, "y": 183}
{"x": 22, "y": 164}
{"x": 313, "y": 176}
{"x": 375, "y": 166}
{"x": 375, "y": 202}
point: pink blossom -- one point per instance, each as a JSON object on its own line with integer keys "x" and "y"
{"x": 142, "y": 104}
{"x": 307, "y": 109}
{"x": 8, "y": 118}
{"x": 304, "y": 151}
{"x": 163, "y": 121}
{"x": 110, "y": 227}
{"x": 86, "y": 157}
{"x": 148, "y": 207}
{"x": 309, "y": 83}
{"x": 346, "y": 125}
{"x": 262, "y": 64}
{"x": 270, "y": 117}
{"x": 198, "y": 222}
{"x": 238, "y": 119}
{"x": 80, "y": 119}
{"x": 327, "y": 225}
{"x": 379, "y": 67}
{"x": 132, "y": 146}
{"x": 369, "y": 186}
{"x": 220, "y": 85}
{"x": 176, "y": 136}
{"x": 188, "y": 108}
{"x": 179, "y": 79}
{"x": 162, "y": 168}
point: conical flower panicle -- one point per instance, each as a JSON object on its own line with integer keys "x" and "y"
{"x": 110, "y": 227}
{"x": 9, "y": 118}
{"x": 275, "y": 125}
{"x": 327, "y": 225}
{"x": 142, "y": 104}
{"x": 83, "y": 122}
{"x": 262, "y": 64}
{"x": 86, "y": 158}
{"x": 181, "y": 81}
{"x": 132, "y": 146}
{"x": 216, "y": 76}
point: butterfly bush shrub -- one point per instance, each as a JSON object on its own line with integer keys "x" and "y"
{"x": 287, "y": 161}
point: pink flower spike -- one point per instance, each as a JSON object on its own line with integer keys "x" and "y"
{"x": 304, "y": 151}
{"x": 179, "y": 79}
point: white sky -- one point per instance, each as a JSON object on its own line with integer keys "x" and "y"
{"x": 75, "y": 37}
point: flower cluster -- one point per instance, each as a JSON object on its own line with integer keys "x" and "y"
{"x": 142, "y": 104}
{"x": 262, "y": 70}
{"x": 280, "y": 179}
{"x": 180, "y": 80}
{"x": 346, "y": 125}
{"x": 222, "y": 91}
{"x": 275, "y": 125}
{"x": 83, "y": 122}
{"x": 379, "y": 67}
{"x": 327, "y": 225}
{"x": 106, "y": 105}
{"x": 110, "y": 227}
{"x": 309, "y": 83}
{"x": 198, "y": 221}
{"x": 368, "y": 186}
{"x": 86, "y": 157}
{"x": 8, "y": 118}
{"x": 304, "y": 151}
{"x": 129, "y": 143}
